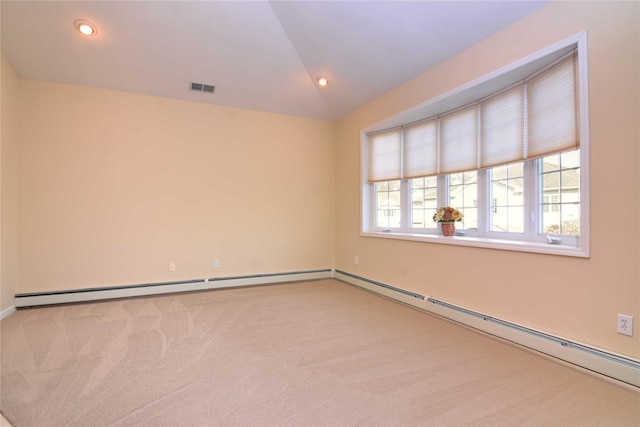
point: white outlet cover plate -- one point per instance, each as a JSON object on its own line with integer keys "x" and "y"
{"x": 625, "y": 324}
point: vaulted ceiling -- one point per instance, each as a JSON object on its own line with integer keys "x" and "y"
{"x": 260, "y": 55}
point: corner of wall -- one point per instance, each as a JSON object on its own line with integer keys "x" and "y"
{"x": 8, "y": 186}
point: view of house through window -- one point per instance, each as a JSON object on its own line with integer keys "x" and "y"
{"x": 424, "y": 202}
{"x": 560, "y": 183}
{"x": 507, "y": 198}
{"x": 463, "y": 194}
{"x": 558, "y": 198}
{"x": 388, "y": 205}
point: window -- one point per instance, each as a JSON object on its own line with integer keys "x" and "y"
{"x": 510, "y": 160}
{"x": 560, "y": 189}
{"x": 388, "y": 205}
{"x": 463, "y": 194}
{"x": 424, "y": 201}
{"x": 506, "y": 187}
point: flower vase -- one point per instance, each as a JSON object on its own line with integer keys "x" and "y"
{"x": 448, "y": 228}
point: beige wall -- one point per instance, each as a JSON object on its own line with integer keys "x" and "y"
{"x": 572, "y": 297}
{"x": 9, "y": 184}
{"x": 114, "y": 186}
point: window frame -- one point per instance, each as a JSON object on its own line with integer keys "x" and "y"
{"x": 531, "y": 240}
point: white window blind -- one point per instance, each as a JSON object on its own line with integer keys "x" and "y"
{"x": 502, "y": 124}
{"x": 552, "y": 107}
{"x": 385, "y": 155}
{"x": 459, "y": 140}
{"x": 421, "y": 149}
{"x": 536, "y": 118}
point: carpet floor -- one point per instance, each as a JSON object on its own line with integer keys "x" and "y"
{"x": 320, "y": 353}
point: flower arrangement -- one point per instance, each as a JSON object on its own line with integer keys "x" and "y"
{"x": 447, "y": 214}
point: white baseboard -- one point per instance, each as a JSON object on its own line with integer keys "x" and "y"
{"x": 94, "y": 294}
{"x": 7, "y": 311}
{"x": 619, "y": 367}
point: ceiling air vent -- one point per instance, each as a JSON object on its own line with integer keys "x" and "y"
{"x": 201, "y": 87}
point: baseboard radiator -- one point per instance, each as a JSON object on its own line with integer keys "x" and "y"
{"x": 615, "y": 366}
{"x": 94, "y": 294}
{"x": 7, "y": 312}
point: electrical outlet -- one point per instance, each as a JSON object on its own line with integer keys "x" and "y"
{"x": 172, "y": 266}
{"x": 355, "y": 260}
{"x": 625, "y": 324}
{"x": 216, "y": 263}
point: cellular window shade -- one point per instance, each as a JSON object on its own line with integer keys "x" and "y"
{"x": 536, "y": 118}
{"x": 421, "y": 149}
{"x": 502, "y": 128}
{"x": 459, "y": 140}
{"x": 553, "y": 110}
{"x": 385, "y": 155}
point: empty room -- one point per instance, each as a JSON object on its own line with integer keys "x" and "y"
{"x": 320, "y": 213}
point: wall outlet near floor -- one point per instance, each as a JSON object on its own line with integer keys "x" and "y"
{"x": 172, "y": 266}
{"x": 625, "y": 324}
{"x": 355, "y": 260}
{"x": 216, "y": 263}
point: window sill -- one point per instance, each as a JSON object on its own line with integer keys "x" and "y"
{"x": 483, "y": 242}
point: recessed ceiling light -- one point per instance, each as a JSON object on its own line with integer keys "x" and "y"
{"x": 85, "y": 27}
{"x": 322, "y": 81}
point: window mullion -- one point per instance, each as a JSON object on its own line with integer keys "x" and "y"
{"x": 483, "y": 202}
{"x": 405, "y": 205}
{"x": 531, "y": 199}
{"x": 370, "y": 207}
{"x": 443, "y": 190}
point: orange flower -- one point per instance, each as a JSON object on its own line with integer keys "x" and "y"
{"x": 447, "y": 214}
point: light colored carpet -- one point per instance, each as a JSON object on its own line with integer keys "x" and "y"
{"x": 308, "y": 353}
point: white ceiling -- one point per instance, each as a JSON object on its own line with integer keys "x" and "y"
{"x": 260, "y": 55}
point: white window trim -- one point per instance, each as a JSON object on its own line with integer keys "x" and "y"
{"x": 582, "y": 246}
